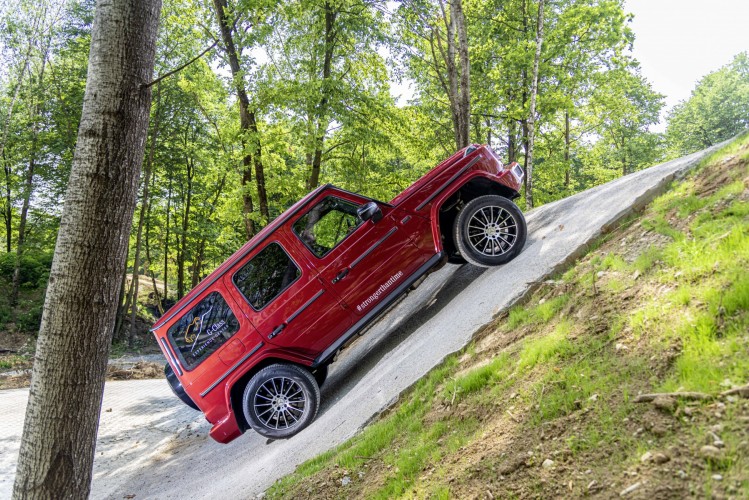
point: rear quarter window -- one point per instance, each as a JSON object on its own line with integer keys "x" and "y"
{"x": 202, "y": 330}
{"x": 266, "y": 276}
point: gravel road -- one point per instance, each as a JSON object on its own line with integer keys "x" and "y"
{"x": 152, "y": 446}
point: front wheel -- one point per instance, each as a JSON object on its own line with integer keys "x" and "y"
{"x": 490, "y": 231}
{"x": 281, "y": 400}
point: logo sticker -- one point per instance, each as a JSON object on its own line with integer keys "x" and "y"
{"x": 383, "y": 288}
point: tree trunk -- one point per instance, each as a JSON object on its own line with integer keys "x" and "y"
{"x": 121, "y": 301}
{"x": 21, "y": 242}
{"x": 321, "y": 113}
{"x": 8, "y": 209}
{"x": 532, "y": 112}
{"x": 197, "y": 266}
{"x": 512, "y": 154}
{"x": 457, "y": 83}
{"x": 182, "y": 250}
{"x": 59, "y": 437}
{"x": 16, "y": 91}
{"x": 141, "y": 220}
{"x": 29, "y": 182}
{"x": 464, "y": 97}
{"x": 8, "y": 213}
{"x": 567, "y": 166}
{"x": 166, "y": 237}
{"x": 247, "y": 124}
{"x": 147, "y": 263}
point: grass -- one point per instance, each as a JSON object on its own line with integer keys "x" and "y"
{"x": 12, "y": 361}
{"x": 583, "y": 351}
{"x": 540, "y": 314}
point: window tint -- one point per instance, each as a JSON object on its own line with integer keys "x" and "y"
{"x": 327, "y": 224}
{"x": 204, "y": 329}
{"x": 266, "y": 275}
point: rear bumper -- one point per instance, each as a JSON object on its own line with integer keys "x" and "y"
{"x": 226, "y": 429}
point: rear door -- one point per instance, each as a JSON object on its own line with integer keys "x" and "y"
{"x": 285, "y": 300}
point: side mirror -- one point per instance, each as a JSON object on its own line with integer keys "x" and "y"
{"x": 369, "y": 211}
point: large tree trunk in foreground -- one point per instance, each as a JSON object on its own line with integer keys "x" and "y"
{"x": 59, "y": 436}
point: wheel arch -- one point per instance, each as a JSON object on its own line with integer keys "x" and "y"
{"x": 478, "y": 184}
{"x": 236, "y": 387}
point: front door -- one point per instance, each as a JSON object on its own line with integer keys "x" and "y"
{"x": 362, "y": 261}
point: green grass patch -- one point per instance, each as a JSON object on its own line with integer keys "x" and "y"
{"x": 539, "y": 314}
{"x": 544, "y": 349}
{"x": 497, "y": 369}
{"x": 659, "y": 224}
{"x": 12, "y": 361}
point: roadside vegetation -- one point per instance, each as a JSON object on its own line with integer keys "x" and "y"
{"x": 555, "y": 398}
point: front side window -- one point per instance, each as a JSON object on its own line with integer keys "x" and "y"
{"x": 266, "y": 275}
{"x": 204, "y": 329}
{"x": 327, "y": 224}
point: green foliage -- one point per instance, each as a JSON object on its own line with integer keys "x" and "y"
{"x": 318, "y": 77}
{"x": 34, "y": 267}
{"x": 717, "y": 109}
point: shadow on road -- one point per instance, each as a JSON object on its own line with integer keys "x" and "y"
{"x": 366, "y": 353}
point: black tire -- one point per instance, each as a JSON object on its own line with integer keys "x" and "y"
{"x": 281, "y": 400}
{"x": 490, "y": 231}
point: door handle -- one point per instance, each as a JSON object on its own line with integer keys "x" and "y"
{"x": 341, "y": 275}
{"x": 277, "y": 330}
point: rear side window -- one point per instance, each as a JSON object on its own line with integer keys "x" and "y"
{"x": 327, "y": 224}
{"x": 204, "y": 329}
{"x": 266, "y": 275}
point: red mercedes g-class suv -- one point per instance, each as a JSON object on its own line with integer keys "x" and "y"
{"x": 250, "y": 345}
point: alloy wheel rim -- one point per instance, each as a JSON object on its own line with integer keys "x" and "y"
{"x": 492, "y": 231}
{"x": 280, "y": 403}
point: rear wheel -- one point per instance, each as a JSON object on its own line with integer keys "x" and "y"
{"x": 490, "y": 231}
{"x": 281, "y": 400}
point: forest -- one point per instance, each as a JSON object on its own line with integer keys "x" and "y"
{"x": 256, "y": 103}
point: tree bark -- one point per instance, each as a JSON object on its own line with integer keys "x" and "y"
{"x": 247, "y": 124}
{"x": 532, "y": 112}
{"x": 59, "y": 437}
{"x": 197, "y": 266}
{"x": 512, "y": 140}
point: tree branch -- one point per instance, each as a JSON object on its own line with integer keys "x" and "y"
{"x": 180, "y": 68}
